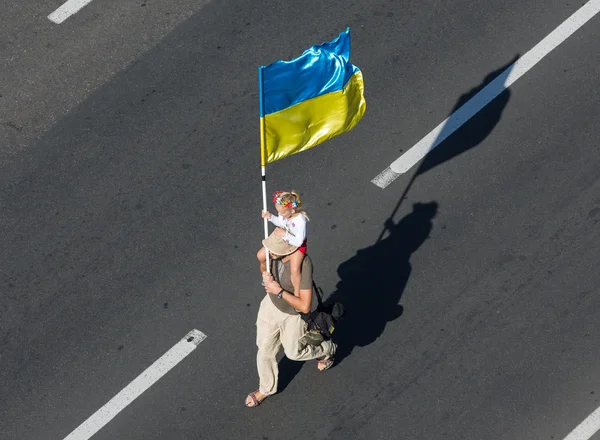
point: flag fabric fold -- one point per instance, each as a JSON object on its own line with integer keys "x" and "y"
{"x": 310, "y": 99}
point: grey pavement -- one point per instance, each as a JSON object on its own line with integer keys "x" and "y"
{"x": 130, "y": 200}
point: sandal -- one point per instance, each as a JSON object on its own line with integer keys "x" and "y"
{"x": 325, "y": 364}
{"x": 254, "y": 400}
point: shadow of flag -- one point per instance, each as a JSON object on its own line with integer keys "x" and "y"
{"x": 459, "y": 135}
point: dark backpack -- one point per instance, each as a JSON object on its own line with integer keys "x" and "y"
{"x": 325, "y": 317}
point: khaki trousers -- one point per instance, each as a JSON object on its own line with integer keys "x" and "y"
{"x": 275, "y": 328}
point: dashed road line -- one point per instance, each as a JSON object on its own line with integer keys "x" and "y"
{"x": 586, "y": 429}
{"x": 140, "y": 384}
{"x": 487, "y": 94}
{"x": 66, "y": 10}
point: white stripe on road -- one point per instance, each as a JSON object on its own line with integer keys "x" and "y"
{"x": 487, "y": 94}
{"x": 140, "y": 384}
{"x": 66, "y": 10}
{"x": 587, "y": 428}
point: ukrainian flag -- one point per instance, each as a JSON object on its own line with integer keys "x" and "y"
{"x": 310, "y": 99}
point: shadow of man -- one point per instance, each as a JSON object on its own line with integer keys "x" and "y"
{"x": 372, "y": 282}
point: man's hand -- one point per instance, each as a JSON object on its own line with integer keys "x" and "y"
{"x": 301, "y": 303}
{"x": 271, "y": 286}
{"x": 280, "y": 232}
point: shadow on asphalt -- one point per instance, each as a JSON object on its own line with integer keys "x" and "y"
{"x": 371, "y": 285}
{"x": 287, "y": 371}
{"x": 373, "y": 281}
{"x": 474, "y": 131}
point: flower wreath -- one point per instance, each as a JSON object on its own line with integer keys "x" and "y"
{"x": 277, "y": 198}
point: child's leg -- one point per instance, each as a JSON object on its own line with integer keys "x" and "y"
{"x": 262, "y": 258}
{"x": 295, "y": 269}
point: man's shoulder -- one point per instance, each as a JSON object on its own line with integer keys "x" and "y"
{"x": 307, "y": 261}
{"x": 307, "y": 266}
{"x": 306, "y": 273}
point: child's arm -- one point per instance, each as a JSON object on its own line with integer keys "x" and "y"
{"x": 273, "y": 219}
{"x": 277, "y": 221}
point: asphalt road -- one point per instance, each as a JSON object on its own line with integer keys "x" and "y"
{"x": 130, "y": 200}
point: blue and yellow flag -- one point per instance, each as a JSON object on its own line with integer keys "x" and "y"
{"x": 309, "y": 99}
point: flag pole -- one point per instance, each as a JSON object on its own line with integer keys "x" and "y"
{"x": 263, "y": 159}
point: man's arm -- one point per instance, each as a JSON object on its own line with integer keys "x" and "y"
{"x": 301, "y": 303}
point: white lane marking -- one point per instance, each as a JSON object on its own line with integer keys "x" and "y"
{"x": 586, "y": 429}
{"x": 487, "y": 94}
{"x": 66, "y": 10}
{"x": 386, "y": 177}
{"x": 140, "y": 384}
